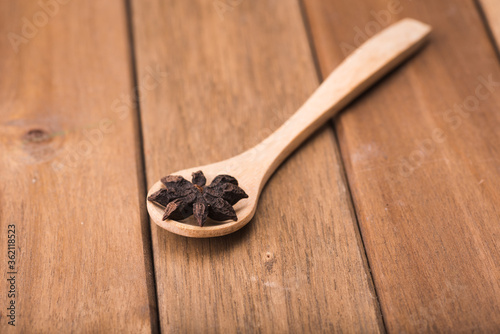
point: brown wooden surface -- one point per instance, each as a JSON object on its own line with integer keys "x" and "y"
{"x": 77, "y": 205}
{"x": 215, "y": 78}
{"x": 298, "y": 266}
{"x": 430, "y": 225}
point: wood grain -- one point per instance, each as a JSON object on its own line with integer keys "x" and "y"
{"x": 70, "y": 178}
{"x": 233, "y": 77}
{"x": 421, "y": 155}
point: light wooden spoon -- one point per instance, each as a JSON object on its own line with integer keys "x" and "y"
{"x": 252, "y": 168}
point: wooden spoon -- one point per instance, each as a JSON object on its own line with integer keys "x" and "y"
{"x": 252, "y": 168}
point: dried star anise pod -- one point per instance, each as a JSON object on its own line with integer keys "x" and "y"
{"x": 182, "y": 198}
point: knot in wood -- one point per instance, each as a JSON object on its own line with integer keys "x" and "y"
{"x": 35, "y": 136}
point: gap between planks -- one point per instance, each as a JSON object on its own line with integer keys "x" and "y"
{"x": 142, "y": 179}
{"x": 343, "y": 174}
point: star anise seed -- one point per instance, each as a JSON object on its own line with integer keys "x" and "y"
{"x": 227, "y": 191}
{"x": 160, "y": 197}
{"x": 182, "y": 198}
{"x": 200, "y": 210}
{"x": 221, "y": 210}
{"x": 223, "y": 178}
{"x": 199, "y": 179}
{"x": 180, "y": 208}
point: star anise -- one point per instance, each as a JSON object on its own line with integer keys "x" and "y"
{"x": 182, "y": 198}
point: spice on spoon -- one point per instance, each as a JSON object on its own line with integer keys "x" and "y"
{"x": 182, "y": 198}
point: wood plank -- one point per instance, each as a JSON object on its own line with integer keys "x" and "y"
{"x": 491, "y": 10}
{"x": 424, "y": 173}
{"x": 70, "y": 178}
{"x": 235, "y": 73}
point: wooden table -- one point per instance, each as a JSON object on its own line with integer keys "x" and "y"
{"x": 387, "y": 219}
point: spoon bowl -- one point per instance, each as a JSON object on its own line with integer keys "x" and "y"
{"x": 365, "y": 66}
{"x": 245, "y": 208}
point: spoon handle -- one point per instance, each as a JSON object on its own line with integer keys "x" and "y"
{"x": 366, "y": 65}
